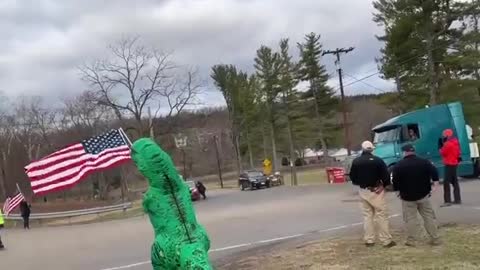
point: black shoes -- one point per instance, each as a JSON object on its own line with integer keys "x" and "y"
{"x": 392, "y": 244}
{"x": 447, "y": 204}
{"x": 435, "y": 242}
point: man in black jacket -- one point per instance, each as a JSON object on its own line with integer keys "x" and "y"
{"x": 370, "y": 173}
{"x": 413, "y": 177}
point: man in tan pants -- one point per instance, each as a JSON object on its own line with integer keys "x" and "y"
{"x": 413, "y": 177}
{"x": 371, "y": 174}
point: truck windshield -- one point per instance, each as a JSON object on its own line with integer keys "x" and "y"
{"x": 387, "y": 135}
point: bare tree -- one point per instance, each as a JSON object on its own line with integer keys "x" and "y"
{"x": 35, "y": 123}
{"x": 84, "y": 115}
{"x": 181, "y": 94}
{"x": 134, "y": 78}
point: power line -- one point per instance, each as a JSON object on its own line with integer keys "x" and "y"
{"x": 378, "y": 72}
{"x": 361, "y": 79}
{"x": 367, "y": 84}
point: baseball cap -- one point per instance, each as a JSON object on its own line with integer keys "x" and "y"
{"x": 408, "y": 148}
{"x": 368, "y": 145}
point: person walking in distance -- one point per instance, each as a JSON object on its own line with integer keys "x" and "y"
{"x": 450, "y": 153}
{"x": 25, "y": 212}
{"x": 370, "y": 173}
{"x": 2, "y": 224}
{"x": 412, "y": 178}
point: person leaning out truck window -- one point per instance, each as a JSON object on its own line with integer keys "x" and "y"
{"x": 413, "y": 132}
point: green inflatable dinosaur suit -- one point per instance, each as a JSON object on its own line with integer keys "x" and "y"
{"x": 180, "y": 241}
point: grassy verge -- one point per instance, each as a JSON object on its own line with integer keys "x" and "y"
{"x": 461, "y": 250}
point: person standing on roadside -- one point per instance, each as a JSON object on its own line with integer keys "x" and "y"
{"x": 370, "y": 173}
{"x": 25, "y": 212}
{"x": 2, "y": 224}
{"x": 412, "y": 178}
{"x": 450, "y": 153}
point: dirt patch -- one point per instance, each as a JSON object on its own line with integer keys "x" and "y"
{"x": 461, "y": 250}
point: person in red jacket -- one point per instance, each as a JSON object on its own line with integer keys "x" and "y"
{"x": 450, "y": 153}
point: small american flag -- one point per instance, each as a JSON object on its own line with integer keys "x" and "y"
{"x": 12, "y": 203}
{"x": 67, "y": 167}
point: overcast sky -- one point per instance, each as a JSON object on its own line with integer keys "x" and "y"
{"x": 43, "y": 41}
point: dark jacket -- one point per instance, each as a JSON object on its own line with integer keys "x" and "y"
{"x": 24, "y": 209}
{"x": 369, "y": 171}
{"x": 200, "y": 187}
{"x": 413, "y": 177}
{"x": 451, "y": 152}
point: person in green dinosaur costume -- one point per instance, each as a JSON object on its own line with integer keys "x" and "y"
{"x": 180, "y": 241}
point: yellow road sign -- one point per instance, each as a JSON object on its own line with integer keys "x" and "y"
{"x": 267, "y": 167}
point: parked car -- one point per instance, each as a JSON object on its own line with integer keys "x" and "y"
{"x": 253, "y": 180}
{"x": 276, "y": 179}
{"x": 194, "y": 193}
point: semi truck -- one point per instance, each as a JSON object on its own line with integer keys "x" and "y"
{"x": 423, "y": 129}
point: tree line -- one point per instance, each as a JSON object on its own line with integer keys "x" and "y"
{"x": 267, "y": 106}
{"x": 431, "y": 50}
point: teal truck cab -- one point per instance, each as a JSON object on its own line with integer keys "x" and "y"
{"x": 423, "y": 129}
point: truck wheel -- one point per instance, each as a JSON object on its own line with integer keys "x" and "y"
{"x": 268, "y": 184}
{"x": 476, "y": 169}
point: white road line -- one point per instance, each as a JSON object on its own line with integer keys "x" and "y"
{"x": 279, "y": 239}
{"x": 257, "y": 242}
{"x": 230, "y": 247}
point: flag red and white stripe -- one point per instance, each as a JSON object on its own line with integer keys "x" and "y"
{"x": 12, "y": 203}
{"x": 67, "y": 167}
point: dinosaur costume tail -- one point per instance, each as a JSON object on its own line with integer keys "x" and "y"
{"x": 194, "y": 257}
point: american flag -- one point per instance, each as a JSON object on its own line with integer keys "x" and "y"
{"x": 67, "y": 167}
{"x": 12, "y": 203}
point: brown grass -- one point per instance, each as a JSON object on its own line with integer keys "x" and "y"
{"x": 461, "y": 250}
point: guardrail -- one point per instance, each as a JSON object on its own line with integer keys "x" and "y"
{"x": 74, "y": 213}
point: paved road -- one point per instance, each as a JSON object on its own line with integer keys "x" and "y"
{"x": 235, "y": 220}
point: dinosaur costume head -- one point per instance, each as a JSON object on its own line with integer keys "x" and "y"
{"x": 153, "y": 163}
{"x": 180, "y": 241}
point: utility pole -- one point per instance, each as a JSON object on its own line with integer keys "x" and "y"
{"x": 150, "y": 124}
{"x": 219, "y": 163}
{"x": 346, "y": 127}
{"x": 181, "y": 143}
